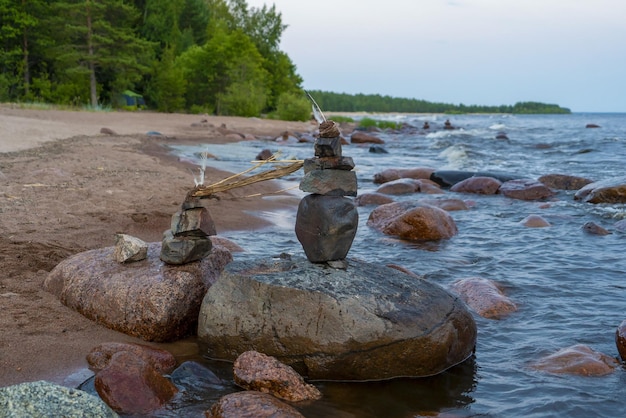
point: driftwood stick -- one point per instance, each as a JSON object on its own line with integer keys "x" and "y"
{"x": 222, "y": 186}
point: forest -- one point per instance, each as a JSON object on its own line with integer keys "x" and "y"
{"x": 196, "y": 56}
{"x": 343, "y": 102}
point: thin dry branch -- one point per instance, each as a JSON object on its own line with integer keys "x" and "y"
{"x": 239, "y": 181}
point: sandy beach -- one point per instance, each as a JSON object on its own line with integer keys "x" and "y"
{"x": 67, "y": 188}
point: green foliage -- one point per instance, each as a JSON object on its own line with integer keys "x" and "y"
{"x": 292, "y": 106}
{"x": 381, "y": 124}
{"x": 340, "y": 119}
{"x": 343, "y": 102}
{"x": 168, "y": 86}
{"x": 242, "y": 98}
{"x": 217, "y": 56}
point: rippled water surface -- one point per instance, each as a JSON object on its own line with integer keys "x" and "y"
{"x": 570, "y": 287}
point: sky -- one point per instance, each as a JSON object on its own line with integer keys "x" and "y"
{"x": 485, "y": 52}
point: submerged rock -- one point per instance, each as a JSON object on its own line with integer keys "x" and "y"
{"x": 564, "y": 181}
{"x": 577, "y": 360}
{"x": 367, "y": 322}
{"x": 484, "y": 297}
{"x": 525, "y": 189}
{"x": 478, "y": 185}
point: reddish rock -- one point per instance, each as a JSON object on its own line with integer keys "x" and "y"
{"x": 577, "y": 360}
{"x": 428, "y": 187}
{"x": 620, "y": 340}
{"x": 359, "y": 137}
{"x": 387, "y": 175}
{"x": 534, "y": 221}
{"x": 129, "y": 385}
{"x": 393, "y": 174}
{"x": 413, "y": 221}
{"x": 146, "y": 299}
{"x": 400, "y": 186}
{"x": 161, "y": 360}
{"x": 525, "y": 189}
{"x": 478, "y": 185}
{"x": 260, "y": 372}
{"x": 484, "y": 297}
{"x": 368, "y": 199}
{"x": 447, "y": 204}
{"x": 251, "y": 404}
{"x": 564, "y": 182}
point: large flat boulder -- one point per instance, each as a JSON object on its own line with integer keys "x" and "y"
{"x": 367, "y": 322}
{"x": 148, "y": 299}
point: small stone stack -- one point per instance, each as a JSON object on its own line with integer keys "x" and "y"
{"x": 188, "y": 239}
{"x": 327, "y": 220}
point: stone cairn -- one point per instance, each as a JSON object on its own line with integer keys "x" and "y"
{"x": 188, "y": 239}
{"x": 327, "y": 220}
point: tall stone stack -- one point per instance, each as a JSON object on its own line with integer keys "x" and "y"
{"x": 327, "y": 220}
{"x": 188, "y": 239}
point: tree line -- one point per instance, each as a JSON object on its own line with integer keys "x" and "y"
{"x": 343, "y": 102}
{"x": 215, "y": 56}
{"x": 199, "y": 56}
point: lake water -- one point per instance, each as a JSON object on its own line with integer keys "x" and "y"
{"x": 570, "y": 286}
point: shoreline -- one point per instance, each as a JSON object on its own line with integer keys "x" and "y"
{"x": 67, "y": 188}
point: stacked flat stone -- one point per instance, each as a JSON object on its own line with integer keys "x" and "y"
{"x": 327, "y": 220}
{"x": 188, "y": 239}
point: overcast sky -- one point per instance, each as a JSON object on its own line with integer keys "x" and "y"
{"x": 487, "y": 52}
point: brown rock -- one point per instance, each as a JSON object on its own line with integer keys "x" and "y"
{"x": 594, "y": 229}
{"x": 328, "y": 163}
{"x": 400, "y": 186}
{"x": 359, "y": 137}
{"x": 564, "y": 182}
{"x": 577, "y": 360}
{"x": 612, "y": 190}
{"x": 534, "y": 221}
{"x": 478, "y": 185}
{"x": 251, "y": 404}
{"x": 484, "y": 297}
{"x": 620, "y": 340}
{"x": 257, "y": 371}
{"x": 525, "y": 189}
{"x": 108, "y": 131}
{"x": 161, "y": 360}
{"x": 368, "y": 199}
{"x": 397, "y": 173}
{"x": 264, "y": 155}
{"x": 412, "y": 221}
{"x": 129, "y": 385}
{"x": 428, "y": 186}
{"x": 447, "y": 204}
{"x": 147, "y": 299}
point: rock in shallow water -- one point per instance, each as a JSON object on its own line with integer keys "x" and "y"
{"x": 365, "y": 323}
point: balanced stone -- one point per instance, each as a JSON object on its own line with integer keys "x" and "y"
{"x": 330, "y": 182}
{"x": 328, "y": 163}
{"x": 326, "y": 226}
{"x": 364, "y": 323}
{"x": 193, "y": 222}
{"x": 328, "y": 147}
{"x": 184, "y": 249}
{"x": 129, "y": 248}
